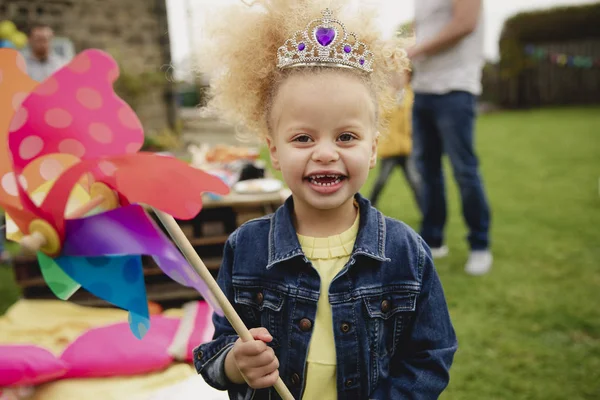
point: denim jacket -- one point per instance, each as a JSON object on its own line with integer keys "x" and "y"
{"x": 393, "y": 334}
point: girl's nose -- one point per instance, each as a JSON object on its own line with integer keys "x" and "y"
{"x": 325, "y": 153}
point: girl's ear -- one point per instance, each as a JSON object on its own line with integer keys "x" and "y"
{"x": 373, "y": 160}
{"x": 273, "y": 153}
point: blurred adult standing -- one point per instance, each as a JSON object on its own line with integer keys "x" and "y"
{"x": 40, "y": 58}
{"x": 448, "y": 59}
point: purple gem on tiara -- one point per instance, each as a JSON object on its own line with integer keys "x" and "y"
{"x": 347, "y": 48}
{"x": 301, "y": 46}
{"x": 325, "y": 35}
{"x": 361, "y": 61}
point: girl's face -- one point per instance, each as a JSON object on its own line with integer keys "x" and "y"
{"x": 323, "y": 137}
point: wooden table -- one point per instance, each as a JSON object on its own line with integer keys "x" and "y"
{"x": 207, "y": 232}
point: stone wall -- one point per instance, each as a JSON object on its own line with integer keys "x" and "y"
{"x": 133, "y": 31}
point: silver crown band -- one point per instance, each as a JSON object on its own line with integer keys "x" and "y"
{"x": 320, "y": 44}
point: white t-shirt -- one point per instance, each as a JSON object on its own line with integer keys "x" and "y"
{"x": 41, "y": 70}
{"x": 456, "y": 68}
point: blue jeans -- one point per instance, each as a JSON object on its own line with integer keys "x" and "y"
{"x": 387, "y": 165}
{"x": 445, "y": 124}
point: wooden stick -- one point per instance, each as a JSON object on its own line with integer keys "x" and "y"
{"x": 36, "y": 240}
{"x": 196, "y": 262}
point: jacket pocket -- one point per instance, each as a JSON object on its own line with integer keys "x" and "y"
{"x": 260, "y": 306}
{"x": 388, "y": 314}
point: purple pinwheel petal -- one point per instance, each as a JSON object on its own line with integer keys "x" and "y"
{"x": 129, "y": 230}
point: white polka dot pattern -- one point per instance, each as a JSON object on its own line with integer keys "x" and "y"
{"x": 75, "y": 112}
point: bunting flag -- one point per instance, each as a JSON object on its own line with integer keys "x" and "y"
{"x": 561, "y": 59}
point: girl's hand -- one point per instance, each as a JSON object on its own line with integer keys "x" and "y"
{"x": 253, "y": 362}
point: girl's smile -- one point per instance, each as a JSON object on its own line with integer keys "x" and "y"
{"x": 325, "y": 182}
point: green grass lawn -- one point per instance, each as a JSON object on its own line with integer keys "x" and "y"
{"x": 531, "y": 328}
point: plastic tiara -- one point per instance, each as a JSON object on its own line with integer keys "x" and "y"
{"x": 325, "y": 42}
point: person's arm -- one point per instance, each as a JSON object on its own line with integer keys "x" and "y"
{"x": 465, "y": 16}
{"x": 420, "y": 371}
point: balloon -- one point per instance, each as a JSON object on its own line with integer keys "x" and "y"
{"x": 19, "y": 39}
{"x": 7, "y": 44}
{"x": 7, "y": 29}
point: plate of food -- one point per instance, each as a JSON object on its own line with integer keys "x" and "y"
{"x": 254, "y": 186}
{"x": 225, "y": 154}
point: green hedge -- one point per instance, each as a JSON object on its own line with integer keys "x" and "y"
{"x": 549, "y": 25}
{"x": 554, "y": 24}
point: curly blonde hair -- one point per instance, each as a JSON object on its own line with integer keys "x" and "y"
{"x": 239, "y": 54}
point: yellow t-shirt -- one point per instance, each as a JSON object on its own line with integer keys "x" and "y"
{"x": 397, "y": 141}
{"x": 328, "y": 256}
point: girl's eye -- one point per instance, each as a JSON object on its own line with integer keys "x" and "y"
{"x": 302, "y": 139}
{"x": 346, "y": 137}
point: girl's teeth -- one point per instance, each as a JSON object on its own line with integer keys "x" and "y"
{"x": 324, "y": 176}
{"x": 315, "y": 182}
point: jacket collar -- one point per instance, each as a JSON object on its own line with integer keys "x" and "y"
{"x": 284, "y": 244}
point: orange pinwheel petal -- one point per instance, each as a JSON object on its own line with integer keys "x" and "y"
{"x": 15, "y": 86}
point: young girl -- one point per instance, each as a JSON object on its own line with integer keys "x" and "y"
{"x": 343, "y": 302}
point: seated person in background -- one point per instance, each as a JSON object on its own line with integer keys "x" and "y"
{"x": 40, "y": 58}
{"x": 395, "y": 145}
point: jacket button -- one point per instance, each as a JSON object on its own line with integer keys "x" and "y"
{"x": 305, "y": 325}
{"x": 345, "y": 327}
{"x": 349, "y": 383}
{"x": 259, "y": 298}
{"x": 295, "y": 379}
{"x": 386, "y": 305}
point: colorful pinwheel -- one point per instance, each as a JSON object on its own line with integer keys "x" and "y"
{"x": 68, "y": 147}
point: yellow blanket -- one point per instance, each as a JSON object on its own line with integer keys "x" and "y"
{"x": 54, "y": 324}
{"x": 115, "y": 388}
